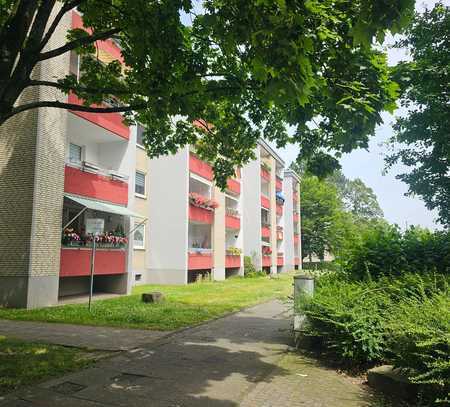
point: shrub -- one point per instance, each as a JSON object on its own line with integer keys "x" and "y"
{"x": 418, "y": 339}
{"x": 384, "y": 250}
{"x": 348, "y": 317}
{"x": 250, "y": 269}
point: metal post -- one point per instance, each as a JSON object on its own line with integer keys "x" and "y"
{"x": 92, "y": 274}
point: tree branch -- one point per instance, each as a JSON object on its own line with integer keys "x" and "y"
{"x": 109, "y": 91}
{"x": 64, "y": 9}
{"x": 78, "y": 43}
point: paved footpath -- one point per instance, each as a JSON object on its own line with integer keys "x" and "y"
{"x": 239, "y": 360}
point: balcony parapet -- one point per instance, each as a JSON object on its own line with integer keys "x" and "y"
{"x": 200, "y": 260}
{"x": 265, "y": 202}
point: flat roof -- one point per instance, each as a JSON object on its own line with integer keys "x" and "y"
{"x": 291, "y": 173}
{"x": 271, "y": 151}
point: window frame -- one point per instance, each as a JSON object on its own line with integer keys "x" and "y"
{"x": 138, "y": 194}
{"x": 139, "y": 247}
{"x": 81, "y": 149}
{"x": 138, "y": 125}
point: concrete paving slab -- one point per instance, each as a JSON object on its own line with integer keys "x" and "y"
{"x": 82, "y": 336}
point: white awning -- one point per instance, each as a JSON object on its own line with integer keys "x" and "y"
{"x": 103, "y": 206}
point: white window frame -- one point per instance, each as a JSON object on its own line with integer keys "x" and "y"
{"x": 140, "y": 247}
{"x": 81, "y": 154}
{"x": 141, "y": 146}
{"x": 144, "y": 195}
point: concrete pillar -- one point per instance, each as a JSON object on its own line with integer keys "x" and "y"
{"x": 273, "y": 216}
{"x": 32, "y": 154}
{"x": 303, "y": 285}
{"x": 219, "y": 236}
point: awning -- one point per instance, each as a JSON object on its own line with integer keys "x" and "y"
{"x": 103, "y": 207}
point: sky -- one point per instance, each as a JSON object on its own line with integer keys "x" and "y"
{"x": 369, "y": 165}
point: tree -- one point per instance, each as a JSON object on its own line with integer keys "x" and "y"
{"x": 422, "y": 138}
{"x": 248, "y": 67}
{"x": 358, "y": 199}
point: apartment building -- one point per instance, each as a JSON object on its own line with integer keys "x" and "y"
{"x": 66, "y": 175}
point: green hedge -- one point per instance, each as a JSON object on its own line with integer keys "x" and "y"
{"x": 403, "y": 321}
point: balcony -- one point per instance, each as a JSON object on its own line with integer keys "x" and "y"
{"x": 265, "y": 202}
{"x": 112, "y": 122}
{"x": 96, "y": 183}
{"x": 265, "y": 231}
{"x": 296, "y": 217}
{"x": 266, "y": 260}
{"x": 279, "y": 209}
{"x": 232, "y": 222}
{"x": 280, "y": 259}
{"x": 296, "y": 239}
{"x": 200, "y": 215}
{"x": 265, "y": 174}
{"x": 234, "y": 186}
{"x": 278, "y": 184}
{"x": 295, "y": 198}
{"x": 76, "y": 262}
{"x": 200, "y": 168}
{"x": 297, "y": 261}
{"x": 279, "y": 233}
{"x": 200, "y": 260}
{"x": 232, "y": 261}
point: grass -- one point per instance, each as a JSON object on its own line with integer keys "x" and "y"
{"x": 184, "y": 306}
{"x": 25, "y": 363}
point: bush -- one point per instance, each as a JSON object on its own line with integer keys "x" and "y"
{"x": 403, "y": 321}
{"x": 384, "y": 250}
{"x": 250, "y": 269}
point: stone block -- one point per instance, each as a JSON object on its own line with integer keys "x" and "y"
{"x": 392, "y": 381}
{"x": 153, "y": 297}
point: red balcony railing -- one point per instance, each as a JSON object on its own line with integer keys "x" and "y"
{"x": 295, "y": 198}
{"x": 232, "y": 261}
{"x": 296, "y": 217}
{"x": 296, "y": 261}
{"x": 280, "y": 259}
{"x": 201, "y": 168}
{"x": 296, "y": 239}
{"x": 266, "y": 261}
{"x": 279, "y": 184}
{"x": 232, "y": 222}
{"x": 265, "y": 202}
{"x": 93, "y": 185}
{"x": 234, "y": 186}
{"x": 200, "y": 261}
{"x": 201, "y": 215}
{"x": 112, "y": 122}
{"x": 279, "y": 210}
{"x": 77, "y": 262}
{"x": 265, "y": 174}
{"x": 265, "y": 231}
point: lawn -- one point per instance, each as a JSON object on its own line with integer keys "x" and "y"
{"x": 184, "y": 306}
{"x": 25, "y": 363}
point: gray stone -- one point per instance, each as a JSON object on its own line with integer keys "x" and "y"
{"x": 392, "y": 381}
{"x": 153, "y": 297}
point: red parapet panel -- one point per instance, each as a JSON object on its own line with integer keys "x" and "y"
{"x": 200, "y": 261}
{"x": 77, "y": 262}
{"x": 108, "y": 46}
{"x": 265, "y": 174}
{"x": 295, "y": 198}
{"x": 280, "y": 210}
{"x": 279, "y": 184}
{"x": 112, "y": 122}
{"x": 296, "y": 261}
{"x": 265, "y": 202}
{"x": 296, "y": 217}
{"x": 232, "y": 222}
{"x": 265, "y": 231}
{"x": 200, "y": 215}
{"x": 279, "y": 235}
{"x": 95, "y": 186}
{"x": 280, "y": 261}
{"x": 266, "y": 261}
{"x": 296, "y": 239}
{"x": 201, "y": 168}
{"x": 234, "y": 186}
{"x": 232, "y": 261}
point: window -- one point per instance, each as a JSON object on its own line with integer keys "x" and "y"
{"x": 140, "y": 135}
{"x": 139, "y": 186}
{"x": 139, "y": 237}
{"x": 74, "y": 63}
{"x": 75, "y": 153}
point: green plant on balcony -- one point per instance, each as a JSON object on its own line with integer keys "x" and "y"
{"x": 266, "y": 251}
{"x": 234, "y": 251}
